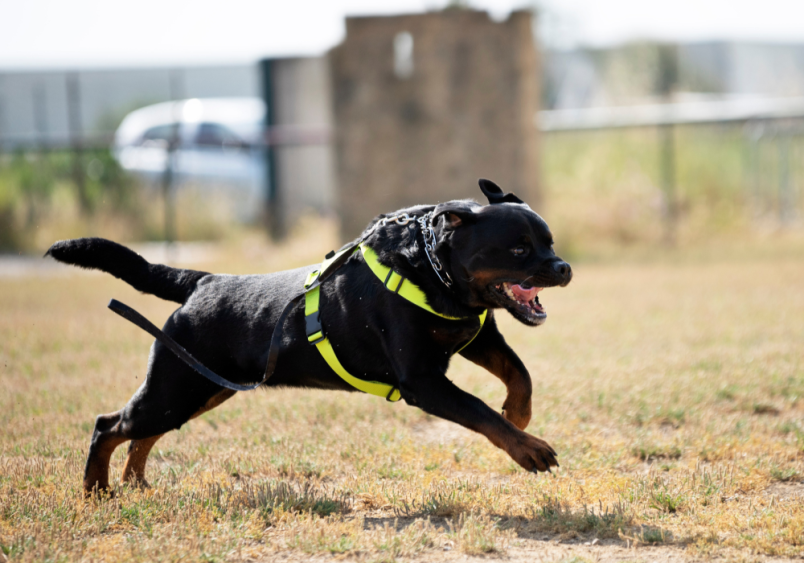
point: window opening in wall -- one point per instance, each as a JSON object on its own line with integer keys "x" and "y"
{"x": 403, "y": 55}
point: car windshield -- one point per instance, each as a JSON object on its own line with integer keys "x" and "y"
{"x": 215, "y": 135}
{"x": 159, "y": 133}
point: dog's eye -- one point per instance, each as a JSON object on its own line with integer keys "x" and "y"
{"x": 519, "y": 251}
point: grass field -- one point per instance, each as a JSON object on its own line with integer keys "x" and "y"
{"x": 671, "y": 385}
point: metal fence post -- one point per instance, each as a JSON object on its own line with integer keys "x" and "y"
{"x": 73, "y": 89}
{"x": 667, "y": 165}
{"x": 168, "y": 195}
{"x": 785, "y": 188}
{"x": 168, "y": 175}
{"x": 275, "y": 220}
{"x": 754, "y": 132}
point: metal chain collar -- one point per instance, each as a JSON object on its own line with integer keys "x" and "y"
{"x": 426, "y": 225}
{"x": 429, "y": 236}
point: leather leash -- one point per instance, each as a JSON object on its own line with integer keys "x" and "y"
{"x": 273, "y": 352}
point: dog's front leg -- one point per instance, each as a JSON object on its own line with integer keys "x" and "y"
{"x": 436, "y": 395}
{"x": 490, "y": 351}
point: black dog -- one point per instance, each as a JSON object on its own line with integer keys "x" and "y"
{"x": 491, "y": 257}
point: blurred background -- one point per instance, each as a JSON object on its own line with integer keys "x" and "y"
{"x": 626, "y": 124}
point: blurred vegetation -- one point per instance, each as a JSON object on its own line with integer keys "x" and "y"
{"x": 39, "y": 193}
{"x": 53, "y": 195}
{"x": 603, "y": 193}
{"x": 603, "y": 189}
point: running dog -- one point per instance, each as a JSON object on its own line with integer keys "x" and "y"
{"x": 467, "y": 261}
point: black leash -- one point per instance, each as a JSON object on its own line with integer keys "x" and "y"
{"x": 276, "y": 338}
{"x": 273, "y": 352}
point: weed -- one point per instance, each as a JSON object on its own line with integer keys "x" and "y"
{"x": 784, "y": 474}
{"x": 557, "y": 517}
{"x": 761, "y": 408}
{"x": 441, "y": 502}
{"x": 648, "y": 452}
{"x": 652, "y": 535}
{"x": 478, "y": 535}
{"x": 664, "y": 500}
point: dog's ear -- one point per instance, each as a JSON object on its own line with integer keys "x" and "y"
{"x": 495, "y": 194}
{"x": 455, "y": 213}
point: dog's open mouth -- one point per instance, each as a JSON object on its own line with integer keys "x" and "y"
{"x": 522, "y": 301}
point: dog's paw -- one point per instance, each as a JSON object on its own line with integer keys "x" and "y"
{"x": 534, "y": 454}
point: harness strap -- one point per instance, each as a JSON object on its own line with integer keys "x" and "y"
{"x": 482, "y": 318}
{"x": 394, "y": 282}
{"x": 315, "y": 335}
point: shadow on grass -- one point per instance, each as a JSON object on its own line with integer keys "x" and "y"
{"x": 551, "y": 520}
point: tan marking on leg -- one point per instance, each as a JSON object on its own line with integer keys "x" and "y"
{"x": 134, "y": 470}
{"x": 517, "y": 405}
{"x": 214, "y": 401}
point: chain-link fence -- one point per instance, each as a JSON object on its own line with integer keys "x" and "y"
{"x": 675, "y": 173}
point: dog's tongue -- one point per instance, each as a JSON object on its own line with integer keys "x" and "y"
{"x": 523, "y": 294}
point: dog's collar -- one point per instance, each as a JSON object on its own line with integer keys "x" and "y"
{"x": 429, "y": 236}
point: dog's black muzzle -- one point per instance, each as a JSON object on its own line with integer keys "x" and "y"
{"x": 564, "y": 271}
{"x": 550, "y": 275}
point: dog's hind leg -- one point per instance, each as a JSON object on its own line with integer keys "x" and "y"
{"x": 105, "y": 439}
{"x": 138, "y": 450}
{"x": 172, "y": 394}
{"x": 134, "y": 470}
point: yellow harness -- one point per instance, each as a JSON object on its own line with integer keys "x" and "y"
{"x": 392, "y": 281}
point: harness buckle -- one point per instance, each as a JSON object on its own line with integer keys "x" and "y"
{"x": 312, "y": 324}
{"x": 391, "y": 273}
{"x": 312, "y": 278}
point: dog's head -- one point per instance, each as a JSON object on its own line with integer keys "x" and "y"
{"x": 501, "y": 254}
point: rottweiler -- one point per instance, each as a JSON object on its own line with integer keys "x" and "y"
{"x": 466, "y": 258}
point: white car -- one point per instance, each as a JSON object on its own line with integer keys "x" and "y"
{"x": 218, "y": 146}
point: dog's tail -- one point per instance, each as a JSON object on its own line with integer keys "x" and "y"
{"x": 172, "y": 284}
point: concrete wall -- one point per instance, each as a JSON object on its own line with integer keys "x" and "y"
{"x": 464, "y": 112}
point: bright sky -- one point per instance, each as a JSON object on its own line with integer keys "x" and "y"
{"x": 115, "y": 33}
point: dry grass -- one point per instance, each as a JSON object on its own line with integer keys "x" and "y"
{"x": 673, "y": 391}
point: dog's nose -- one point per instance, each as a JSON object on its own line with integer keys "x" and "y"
{"x": 564, "y": 270}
